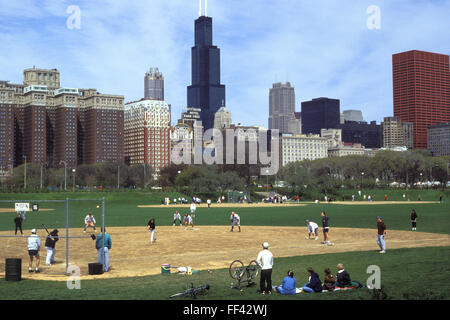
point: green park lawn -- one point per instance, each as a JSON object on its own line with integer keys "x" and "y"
{"x": 405, "y": 273}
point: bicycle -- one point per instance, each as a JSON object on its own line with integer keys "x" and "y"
{"x": 192, "y": 291}
{"x": 243, "y": 274}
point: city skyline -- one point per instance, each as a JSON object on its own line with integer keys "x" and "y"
{"x": 323, "y": 48}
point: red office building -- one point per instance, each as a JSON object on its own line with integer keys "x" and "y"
{"x": 421, "y": 87}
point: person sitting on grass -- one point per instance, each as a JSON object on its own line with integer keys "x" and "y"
{"x": 329, "y": 281}
{"x": 288, "y": 286}
{"x": 314, "y": 284}
{"x": 343, "y": 277}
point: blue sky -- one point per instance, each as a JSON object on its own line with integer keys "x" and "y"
{"x": 323, "y": 47}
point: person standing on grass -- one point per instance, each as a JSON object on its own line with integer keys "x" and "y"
{"x": 413, "y": 220}
{"x": 381, "y": 240}
{"x": 34, "y": 245}
{"x": 151, "y": 227}
{"x": 265, "y": 261}
{"x": 18, "y": 222}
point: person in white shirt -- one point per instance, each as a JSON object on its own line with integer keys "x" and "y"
{"x": 235, "y": 221}
{"x": 313, "y": 228}
{"x": 193, "y": 208}
{"x": 188, "y": 221}
{"x": 265, "y": 261}
{"x": 176, "y": 216}
{"x": 89, "y": 221}
{"x": 208, "y": 202}
{"x": 34, "y": 245}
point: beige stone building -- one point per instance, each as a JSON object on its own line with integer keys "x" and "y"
{"x": 298, "y": 147}
{"x": 397, "y": 133}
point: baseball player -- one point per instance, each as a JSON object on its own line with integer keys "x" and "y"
{"x": 193, "y": 208}
{"x": 326, "y": 228}
{"x": 89, "y": 221}
{"x": 50, "y": 242}
{"x": 313, "y": 228}
{"x": 151, "y": 228}
{"x": 188, "y": 221}
{"x": 34, "y": 245}
{"x": 176, "y": 217}
{"x": 235, "y": 221}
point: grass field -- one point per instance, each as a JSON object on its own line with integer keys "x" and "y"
{"x": 421, "y": 273}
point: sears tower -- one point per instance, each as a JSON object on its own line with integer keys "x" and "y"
{"x": 206, "y": 92}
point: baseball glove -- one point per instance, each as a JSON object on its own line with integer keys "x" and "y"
{"x": 93, "y": 236}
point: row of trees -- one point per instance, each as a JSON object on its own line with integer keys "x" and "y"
{"x": 381, "y": 170}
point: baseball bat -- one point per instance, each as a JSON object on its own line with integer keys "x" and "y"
{"x": 46, "y": 229}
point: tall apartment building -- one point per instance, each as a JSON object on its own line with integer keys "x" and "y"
{"x": 302, "y": 147}
{"x": 154, "y": 85}
{"x": 439, "y": 139}
{"x": 421, "y": 91}
{"x": 282, "y": 108}
{"x": 397, "y": 133}
{"x": 147, "y": 133}
{"x": 54, "y": 125}
{"x": 320, "y": 113}
{"x": 367, "y": 134}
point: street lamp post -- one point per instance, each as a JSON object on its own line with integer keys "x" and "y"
{"x": 362, "y": 176}
{"x": 118, "y": 177}
{"x": 73, "y": 175}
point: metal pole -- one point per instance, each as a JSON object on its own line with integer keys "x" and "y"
{"x": 118, "y": 177}
{"x": 41, "y": 175}
{"x": 67, "y": 235}
{"x": 25, "y": 174}
{"x": 103, "y": 232}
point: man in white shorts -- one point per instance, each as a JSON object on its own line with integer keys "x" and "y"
{"x": 193, "y": 208}
{"x": 313, "y": 228}
{"x": 235, "y": 221}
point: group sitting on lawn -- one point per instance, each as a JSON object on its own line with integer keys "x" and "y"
{"x": 330, "y": 283}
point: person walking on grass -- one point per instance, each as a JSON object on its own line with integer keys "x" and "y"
{"x": 381, "y": 236}
{"x": 265, "y": 261}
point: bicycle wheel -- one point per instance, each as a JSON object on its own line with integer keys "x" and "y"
{"x": 236, "y": 269}
{"x": 253, "y": 269}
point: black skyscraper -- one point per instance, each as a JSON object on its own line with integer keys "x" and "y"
{"x": 206, "y": 92}
{"x": 320, "y": 113}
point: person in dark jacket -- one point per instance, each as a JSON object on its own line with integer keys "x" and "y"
{"x": 329, "y": 281}
{"x": 314, "y": 284}
{"x": 18, "y": 222}
{"x": 50, "y": 242}
{"x": 414, "y": 220}
{"x": 343, "y": 277}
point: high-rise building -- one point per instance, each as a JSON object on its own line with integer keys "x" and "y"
{"x": 320, "y": 113}
{"x": 206, "y": 92}
{"x": 54, "y": 125}
{"x": 366, "y": 134}
{"x": 397, "y": 133}
{"x": 147, "y": 133}
{"x": 439, "y": 139}
{"x": 282, "y": 108}
{"x": 421, "y": 91}
{"x": 222, "y": 118}
{"x": 154, "y": 85}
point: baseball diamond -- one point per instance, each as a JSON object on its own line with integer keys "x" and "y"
{"x": 211, "y": 247}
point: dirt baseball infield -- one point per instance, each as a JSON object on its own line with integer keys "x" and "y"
{"x": 9, "y": 210}
{"x": 202, "y": 248}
